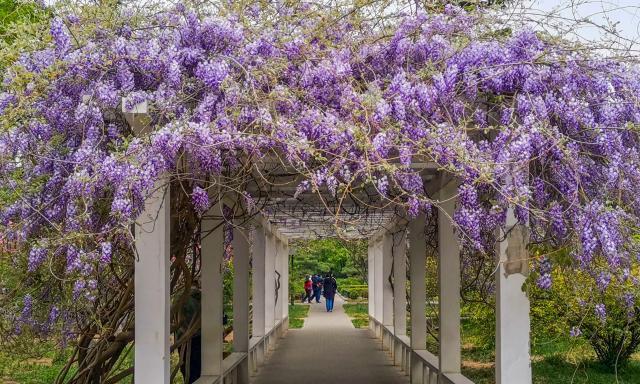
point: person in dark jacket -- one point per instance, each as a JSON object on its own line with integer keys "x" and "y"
{"x": 317, "y": 287}
{"x": 330, "y": 286}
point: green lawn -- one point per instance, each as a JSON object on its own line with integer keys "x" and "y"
{"x": 297, "y": 314}
{"x": 359, "y": 314}
{"x": 555, "y": 360}
{"x": 38, "y": 370}
{"x": 44, "y": 365}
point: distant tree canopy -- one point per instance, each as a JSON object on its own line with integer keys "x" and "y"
{"x": 344, "y": 258}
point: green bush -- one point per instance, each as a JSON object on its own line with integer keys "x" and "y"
{"x": 354, "y": 292}
{"x": 614, "y": 337}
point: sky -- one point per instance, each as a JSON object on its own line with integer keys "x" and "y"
{"x": 615, "y": 24}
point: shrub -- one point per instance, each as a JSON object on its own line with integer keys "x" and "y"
{"x": 605, "y": 312}
{"x": 354, "y": 291}
{"x": 614, "y": 334}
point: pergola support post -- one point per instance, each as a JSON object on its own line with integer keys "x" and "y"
{"x": 285, "y": 285}
{"x": 449, "y": 283}
{"x": 151, "y": 281}
{"x": 513, "y": 362}
{"x": 417, "y": 274}
{"x": 212, "y": 255}
{"x": 278, "y": 279}
{"x": 377, "y": 286}
{"x": 371, "y": 278}
{"x": 399, "y": 240}
{"x": 241, "y": 300}
{"x": 259, "y": 292}
{"x": 270, "y": 287}
{"x": 386, "y": 248}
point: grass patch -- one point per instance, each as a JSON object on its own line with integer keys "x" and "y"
{"x": 44, "y": 364}
{"x": 37, "y": 364}
{"x": 558, "y": 359}
{"x": 359, "y": 314}
{"x": 40, "y": 370}
{"x": 297, "y": 314}
{"x": 296, "y": 323}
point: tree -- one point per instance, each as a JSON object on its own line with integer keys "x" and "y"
{"x": 357, "y": 263}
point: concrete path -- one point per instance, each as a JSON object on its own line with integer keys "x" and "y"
{"x": 328, "y": 349}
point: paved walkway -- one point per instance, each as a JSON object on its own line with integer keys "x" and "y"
{"x": 328, "y": 349}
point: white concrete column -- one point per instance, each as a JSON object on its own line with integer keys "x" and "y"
{"x": 449, "y": 283}
{"x": 279, "y": 267}
{"x": 513, "y": 362}
{"x": 377, "y": 285}
{"x": 387, "y": 289}
{"x": 285, "y": 282}
{"x": 152, "y": 234}
{"x": 418, "y": 292}
{"x": 259, "y": 293}
{"x": 371, "y": 266}
{"x": 241, "y": 299}
{"x": 399, "y": 290}
{"x": 212, "y": 256}
{"x": 400, "y": 283}
{"x": 270, "y": 282}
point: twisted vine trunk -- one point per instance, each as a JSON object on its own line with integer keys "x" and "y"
{"x": 109, "y": 331}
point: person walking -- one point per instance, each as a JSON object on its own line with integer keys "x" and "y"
{"x": 308, "y": 289}
{"x": 330, "y": 286}
{"x": 317, "y": 287}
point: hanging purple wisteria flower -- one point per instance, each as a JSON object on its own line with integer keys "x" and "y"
{"x": 200, "y": 200}
{"x": 544, "y": 269}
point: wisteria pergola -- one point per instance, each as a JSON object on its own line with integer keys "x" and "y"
{"x": 260, "y": 246}
{"x": 298, "y": 123}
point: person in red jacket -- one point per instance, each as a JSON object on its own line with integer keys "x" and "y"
{"x": 308, "y": 289}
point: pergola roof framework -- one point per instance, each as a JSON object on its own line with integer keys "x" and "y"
{"x": 313, "y": 221}
{"x": 319, "y": 213}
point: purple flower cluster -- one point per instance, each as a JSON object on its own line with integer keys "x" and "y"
{"x": 37, "y": 255}
{"x": 200, "y": 200}
{"x": 212, "y": 73}
{"x": 544, "y": 270}
{"x": 105, "y": 254}
{"x": 60, "y": 36}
